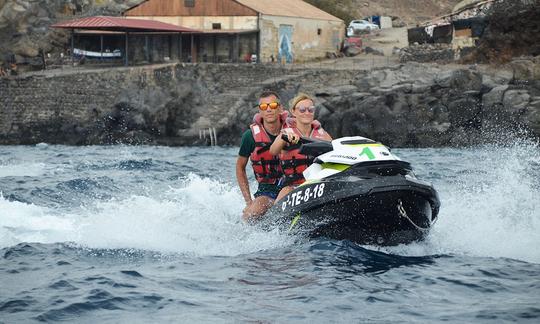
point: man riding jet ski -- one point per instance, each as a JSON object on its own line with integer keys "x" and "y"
{"x": 356, "y": 189}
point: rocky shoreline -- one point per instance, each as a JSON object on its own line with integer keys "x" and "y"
{"x": 407, "y": 105}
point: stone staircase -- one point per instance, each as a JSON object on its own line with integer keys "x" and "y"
{"x": 235, "y": 101}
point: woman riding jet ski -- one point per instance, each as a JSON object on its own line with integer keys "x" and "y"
{"x": 356, "y": 189}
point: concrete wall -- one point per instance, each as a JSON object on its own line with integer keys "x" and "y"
{"x": 386, "y": 22}
{"x": 306, "y": 43}
{"x": 166, "y": 104}
{"x": 227, "y": 22}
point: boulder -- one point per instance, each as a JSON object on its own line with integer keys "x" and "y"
{"x": 525, "y": 70}
{"x": 373, "y": 51}
{"x": 495, "y": 96}
{"x": 516, "y": 100}
{"x": 463, "y": 112}
{"x": 460, "y": 80}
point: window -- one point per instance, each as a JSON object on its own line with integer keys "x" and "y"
{"x": 189, "y": 3}
{"x": 319, "y": 31}
{"x": 216, "y": 26}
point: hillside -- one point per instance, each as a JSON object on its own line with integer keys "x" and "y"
{"x": 410, "y": 12}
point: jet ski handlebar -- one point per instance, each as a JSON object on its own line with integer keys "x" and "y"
{"x": 303, "y": 140}
{"x": 311, "y": 147}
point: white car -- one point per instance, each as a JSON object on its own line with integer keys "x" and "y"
{"x": 362, "y": 25}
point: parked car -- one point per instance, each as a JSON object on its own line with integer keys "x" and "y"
{"x": 362, "y": 25}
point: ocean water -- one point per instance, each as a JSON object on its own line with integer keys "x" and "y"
{"x": 143, "y": 234}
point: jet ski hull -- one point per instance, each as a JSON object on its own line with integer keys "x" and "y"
{"x": 384, "y": 210}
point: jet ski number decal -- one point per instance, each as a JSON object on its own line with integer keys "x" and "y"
{"x": 303, "y": 196}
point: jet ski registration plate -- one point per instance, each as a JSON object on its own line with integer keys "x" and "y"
{"x": 303, "y": 196}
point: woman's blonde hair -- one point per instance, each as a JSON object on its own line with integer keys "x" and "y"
{"x": 299, "y": 97}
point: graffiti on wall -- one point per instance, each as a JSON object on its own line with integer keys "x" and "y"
{"x": 285, "y": 52}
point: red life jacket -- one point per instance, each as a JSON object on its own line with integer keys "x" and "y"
{"x": 292, "y": 162}
{"x": 266, "y": 166}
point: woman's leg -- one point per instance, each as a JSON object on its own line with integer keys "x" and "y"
{"x": 284, "y": 192}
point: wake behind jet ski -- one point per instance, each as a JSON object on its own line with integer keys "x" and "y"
{"x": 356, "y": 189}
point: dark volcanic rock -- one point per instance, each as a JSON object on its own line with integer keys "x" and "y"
{"x": 24, "y": 25}
{"x": 513, "y": 30}
{"x": 409, "y": 105}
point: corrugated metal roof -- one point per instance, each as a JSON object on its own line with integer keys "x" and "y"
{"x": 288, "y": 8}
{"x": 119, "y": 23}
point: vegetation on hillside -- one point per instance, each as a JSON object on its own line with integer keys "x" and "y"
{"x": 342, "y": 9}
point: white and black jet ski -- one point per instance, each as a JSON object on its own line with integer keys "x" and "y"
{"x": 357, "y": 190}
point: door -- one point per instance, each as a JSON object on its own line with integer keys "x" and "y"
{"x": 285, "y": 52}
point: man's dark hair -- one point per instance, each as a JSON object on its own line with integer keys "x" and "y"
{"x": 268, "y": 93}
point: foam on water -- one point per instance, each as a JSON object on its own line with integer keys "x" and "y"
{"x": 200, "y": 217}
{"x": 491, "y": 210}
{"x": 490, "y": 207}
{"x": 22, "y": 170}
{"x": 20, "y": 222}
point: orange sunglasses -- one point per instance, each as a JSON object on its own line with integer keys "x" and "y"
{"x": 265, "y": 106}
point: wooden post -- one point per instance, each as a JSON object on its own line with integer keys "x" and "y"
{"x": 127, "y": 48}
{"x": 179, "y": 47}
{"x": 101, "y": 43}
{"x": 169, "y": 42}
{"x": 72, "y": 46}
{"x": 215, "y": 49}
{"x": 258, "y": 50}
{"x": 237, "y": 48}
{"x": 146, "y": 49}
{"x": 193, "y": 52}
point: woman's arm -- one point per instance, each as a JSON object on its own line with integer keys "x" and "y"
{"x": 327, "y": 136}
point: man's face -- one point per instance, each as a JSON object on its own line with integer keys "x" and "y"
{"x": 270, "y": 115}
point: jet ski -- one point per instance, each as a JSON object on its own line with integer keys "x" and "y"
{"x": 358, "y": 190}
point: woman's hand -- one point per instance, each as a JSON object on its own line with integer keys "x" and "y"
{"x": 292, "y": 137}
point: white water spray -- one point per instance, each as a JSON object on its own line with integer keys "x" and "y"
{"x": 200, "y": 217}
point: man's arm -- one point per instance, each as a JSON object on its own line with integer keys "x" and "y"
{"x": 277, "y": 146}
{"x": 241, "y": 177}
{"x": 279, "y": 143}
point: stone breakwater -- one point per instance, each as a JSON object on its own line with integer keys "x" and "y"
{"x": 403, "y": 106}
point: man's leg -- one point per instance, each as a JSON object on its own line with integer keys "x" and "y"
{"x": 257, "y": 208}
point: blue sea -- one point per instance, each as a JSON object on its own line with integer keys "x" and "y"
{"x": 139, "y": 234}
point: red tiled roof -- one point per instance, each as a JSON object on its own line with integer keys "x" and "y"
{"x": 119, "y": 23}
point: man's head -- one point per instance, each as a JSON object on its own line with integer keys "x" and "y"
{"x": 269, "y": 106}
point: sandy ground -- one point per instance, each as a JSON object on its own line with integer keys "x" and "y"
{"x": 385, "y": 40}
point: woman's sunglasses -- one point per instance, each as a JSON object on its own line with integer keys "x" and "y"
{"x": 271, "y": 105}
{"x": 310, "y": 109}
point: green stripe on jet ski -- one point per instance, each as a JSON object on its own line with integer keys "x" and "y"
{"x": 335, "y": 166}
{"x": 294, "y": 221}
